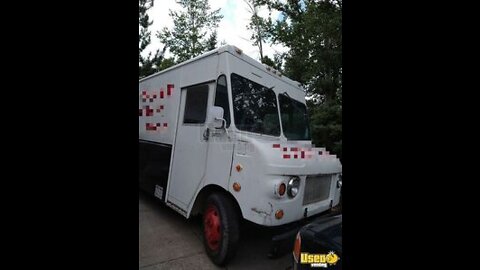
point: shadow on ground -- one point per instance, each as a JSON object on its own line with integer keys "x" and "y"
{"x": 169, "y": 241}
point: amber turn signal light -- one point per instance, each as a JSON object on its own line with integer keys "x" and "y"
{"x": 297, "y": 248}
{"x": 237, "y": 187}
{"x": 279, "y": 214}
{"x": 281, "y": 189}
{"x": 239, "y": 167}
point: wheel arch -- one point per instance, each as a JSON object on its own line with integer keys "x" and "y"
{"x": 205, "y": 192}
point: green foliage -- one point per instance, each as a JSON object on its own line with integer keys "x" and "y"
{"x": 212, "y": 41}
{"x": 166, "y": 63}
{"x": 260, "y": 27}
{"x": 149, "y": 64}
{"x": 276, "y": 63}
{"x": 326, "y": 126}
{"x": 144, "y": 22}
{"x": 194, "y": 31}
{"x": 312, "y": 31}
{"x": 267, "y": 61}
{"x": 146, "y": 65}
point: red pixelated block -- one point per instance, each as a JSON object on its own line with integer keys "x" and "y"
{"x": 148, "y": 111}
{"x": 161, "y": 94}
{"x": 286, "y": 156}
{"x": 285, "y": 149}
{"x": 169, "y": 89}
{"x": 165, "y": 124}
{"x": 276, "y": 145}
{"x": 140, "y": 112}
{"x": 151, "y": 127}
{"x": 302, "y": 154}
{"x": 294, "y": 149}
{"x": 154, "y": 95}
{"x": 144, "y": 92}
{"x": 159, "y": 109}
{"x": 158, "y": 124}
{"x": 295, "y": 156}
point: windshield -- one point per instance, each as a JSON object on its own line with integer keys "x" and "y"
{"x": 254, "y": 107}
{"x": 294, "y": 118}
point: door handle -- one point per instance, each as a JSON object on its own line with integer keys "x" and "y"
{"x": 206, "y": 134}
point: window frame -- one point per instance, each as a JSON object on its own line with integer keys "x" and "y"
{"x": 280, "y": 131}
{"x": 306, "y": 117}
{"x": 185, "y": 105}
{"x": 229, "y": 98}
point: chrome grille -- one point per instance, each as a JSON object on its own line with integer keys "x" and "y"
{"x": 317, "y": 188}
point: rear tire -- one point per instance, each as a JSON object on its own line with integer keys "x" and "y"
{"x": 220, "y": 228}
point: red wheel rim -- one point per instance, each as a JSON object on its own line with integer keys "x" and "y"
{"x": 211, "y": 223}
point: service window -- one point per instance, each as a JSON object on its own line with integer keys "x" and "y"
{"x": 196, "y": 105}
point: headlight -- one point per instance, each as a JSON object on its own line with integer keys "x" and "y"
{"x": 339, "y": 182}
{"x": 293, "y": 186}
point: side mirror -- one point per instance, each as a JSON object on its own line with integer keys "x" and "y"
{"x": 216, "y": 117}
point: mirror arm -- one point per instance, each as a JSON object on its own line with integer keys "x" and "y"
{"x": 224, "y": 125}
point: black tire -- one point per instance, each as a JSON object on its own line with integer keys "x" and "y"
{"x": 222, "y": 246}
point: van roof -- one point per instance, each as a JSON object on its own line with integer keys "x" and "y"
{"x": 237, "y": 53}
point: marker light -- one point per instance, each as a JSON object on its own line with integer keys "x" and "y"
{"x": 297, "y": 248}
{"x": 239, "y": 167}
{"x": 237, "y": 187}
{"x": 279, "y": 214}
{"x": 281, "y": 189}
{"x": 237, "y": 50}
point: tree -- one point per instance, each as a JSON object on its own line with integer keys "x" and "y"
{"x": 212, "y": 41}
{"x": 259, "y": 27}
{"x": 194, "y": 31}
{"x": 267, "y": 61}
{"x": 165, "y": 63}
{"x": 146, "y": 65}
{"x": 312, "y": 30}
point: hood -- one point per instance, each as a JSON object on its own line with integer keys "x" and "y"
{"x": 293, "y": 157}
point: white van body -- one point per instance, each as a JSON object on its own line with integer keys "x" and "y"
{"x": 181, "y": 160}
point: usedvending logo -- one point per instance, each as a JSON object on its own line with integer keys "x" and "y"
{"x": 319, "y": 260}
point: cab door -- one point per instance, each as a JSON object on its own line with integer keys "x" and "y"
{"x": 191, "y": 144}
{"x": 221, "y": 141}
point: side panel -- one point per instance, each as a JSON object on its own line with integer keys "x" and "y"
{"x": 154, "y": 163}
{"x": 158, "y": 106}
{"x": 159, "y": 103}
